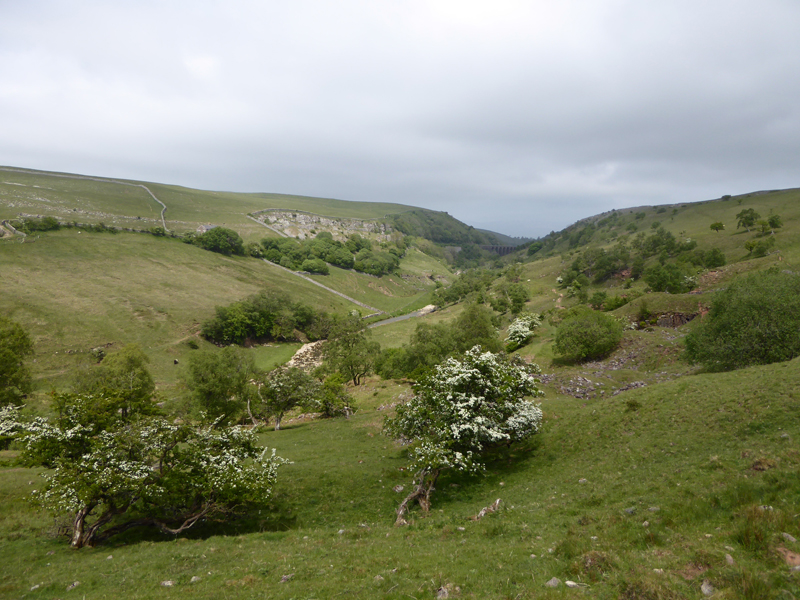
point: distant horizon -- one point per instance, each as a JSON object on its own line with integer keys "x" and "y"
{"x": 289, "y": 194}
{"x": 520, "y": 116}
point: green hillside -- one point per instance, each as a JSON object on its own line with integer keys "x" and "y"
{"x": 650, "y": 479}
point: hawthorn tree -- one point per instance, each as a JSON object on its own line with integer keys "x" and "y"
{"x": 521, "y": 331}
{"x": 142, "y": 473}
{"x": 466, "y": 407}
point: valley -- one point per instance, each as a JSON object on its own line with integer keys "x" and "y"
{"x": 651, "y": 477}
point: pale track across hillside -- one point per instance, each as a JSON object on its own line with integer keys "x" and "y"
{"x": 99, "y": 179}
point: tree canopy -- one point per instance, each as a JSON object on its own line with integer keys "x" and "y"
{"x": 15, "y": 348}
{"x": 218, "y": 382}
{"x": 349, "y": 349}
{"x": 286, "y": 388}
{"x": 467, "y": 406}
{"x": 587, "y": 335}
{"x": 123, "y": 375}
{"x": 755, "y": 321}
{"x": 146, "y": 472}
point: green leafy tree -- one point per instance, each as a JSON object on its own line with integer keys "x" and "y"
{"x": 598, "y": 299}
{"x": 718, "y": 226}
{"x": 333, "y": 399}
{"x": 315, "y": 265}
{"x": 15, "y": 348}
{"x": 518, "y": 295}
{"x": 145, "y": 473}
{"x": 123, "y": 375}
{"x": 755, "y": 321}
{"x": 475, "y": 326}
{"x": 747, "y": 218}
{"x": 222, "y": 240}
{"x": 349, "y": 349}
{"x": 667, "y": 278}
{"x": 466, "y": 407}
{"x": 714, "y": 258}
{"x": 775, "y": 222}
{"x": 285, "y": 389}
{"x": 587, "y": 335}
{"x": 218, "y": 382}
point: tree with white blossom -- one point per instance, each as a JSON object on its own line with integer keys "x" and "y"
{"x": 521, "y": 330}
{"x": 145, "y": 472}
{"x": 466, "y": 407}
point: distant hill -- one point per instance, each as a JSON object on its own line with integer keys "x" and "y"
{"x": 506, "y": 240}
{"x": 129, "y": 203}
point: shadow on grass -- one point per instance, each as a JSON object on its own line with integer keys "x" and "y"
{"x": 455, "y": 486}
{"x": 270, "y": 517}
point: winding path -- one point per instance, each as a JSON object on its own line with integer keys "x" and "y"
{"x": 376, "y": 311}
{"x": 100, "y": 179}
{"x": 267, "y": 226}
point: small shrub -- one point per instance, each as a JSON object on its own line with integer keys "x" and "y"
{"x": 587, "y": 335}
{"x": 632, "y": 405}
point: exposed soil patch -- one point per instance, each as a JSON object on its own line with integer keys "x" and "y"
{"x": 790, "y": 558}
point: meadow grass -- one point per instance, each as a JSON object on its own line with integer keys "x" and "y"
{"x": 77, "y": 291}
{"x": 605, "y": 495}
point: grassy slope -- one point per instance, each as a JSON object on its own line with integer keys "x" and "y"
{"x": 401, "y": 292}
{"x": 689, "y": 449}
{"x": 77, "y": 291}
{"x": 87, "y": 200}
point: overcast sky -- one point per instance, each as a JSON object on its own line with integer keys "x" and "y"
{"x": 520, "y": 117}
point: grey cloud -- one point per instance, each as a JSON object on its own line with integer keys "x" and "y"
{"x": 516, "y": 116}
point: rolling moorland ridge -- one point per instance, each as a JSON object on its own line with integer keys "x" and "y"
{"x": 651, "y": 477}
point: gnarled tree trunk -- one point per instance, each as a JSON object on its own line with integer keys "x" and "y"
{"x": 425, "y": 479}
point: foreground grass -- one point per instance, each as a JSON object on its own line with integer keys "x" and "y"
{"x": 668, "y": 477}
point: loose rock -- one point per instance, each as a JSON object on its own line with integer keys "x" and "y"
{"x": 73, "y": 585}
{"x": 194, "y": 579}
{"x": 788, "y": 537}
{"x": 554, "y": 582}
{"x": 729, "y": 559}
{"x": 707, "y": 588}
{"x": 286, "y": 578}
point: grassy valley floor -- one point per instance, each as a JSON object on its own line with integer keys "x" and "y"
{"x": 647, "y": 494}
